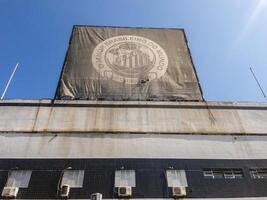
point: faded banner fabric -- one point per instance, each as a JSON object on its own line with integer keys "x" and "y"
{"x": 115, "y": 63}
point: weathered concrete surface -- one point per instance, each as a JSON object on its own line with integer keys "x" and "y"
{"x": 103, "y": 145}
{"x": 135, "y": 117}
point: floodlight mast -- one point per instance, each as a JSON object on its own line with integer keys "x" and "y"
{"x": 9, "y": 81}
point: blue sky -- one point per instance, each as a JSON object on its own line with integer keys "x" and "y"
{"x": 226, "y": 37}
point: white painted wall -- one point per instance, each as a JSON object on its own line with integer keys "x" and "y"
{"x": 96, "y": 145}
{"x": 144, "y": 117}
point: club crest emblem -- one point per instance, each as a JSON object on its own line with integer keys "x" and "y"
{"x": 129, "y": 59}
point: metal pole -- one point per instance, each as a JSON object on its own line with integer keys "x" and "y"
{"x": 9, "y": 81}
{"x": 258, "y": 83}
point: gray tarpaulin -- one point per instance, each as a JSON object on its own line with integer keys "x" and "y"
{"x": 114, "y": 63}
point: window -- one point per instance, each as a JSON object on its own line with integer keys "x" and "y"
{"x": 258, "y": 173}
{"x": 125, "y": 178}
{"x": 213, "y": 174}
{"x": 176, "y": 178}
{"x": 233, "y": 174}
{"x": 73, "y": 178}
{"x": 223, "y": 173}
{"x": 18, "y": 178}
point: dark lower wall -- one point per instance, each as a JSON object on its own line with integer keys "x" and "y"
{"x": 150, "y": 177}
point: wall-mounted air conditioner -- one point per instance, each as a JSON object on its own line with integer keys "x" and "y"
{"x": 65, "y": 191}
{"x": 178, "y": 191}
{"x": 125, "y": 191}
{"x": 96, "y": 196}
{"x": 10, "y": 192}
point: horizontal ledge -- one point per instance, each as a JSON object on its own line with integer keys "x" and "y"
{"x": 136, "y": 104}
{"x": 123, "y": 132}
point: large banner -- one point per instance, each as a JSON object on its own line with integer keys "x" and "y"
{"x": 114, "y": 63}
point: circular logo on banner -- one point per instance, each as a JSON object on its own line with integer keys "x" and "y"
{"x": 130, "y": 59}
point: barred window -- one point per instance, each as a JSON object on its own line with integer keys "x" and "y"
{"x": 213, "y": 174}
{"x": 223, "y": 173}
{"x": 258, "y": 173}
{"x": 233, "y": 174}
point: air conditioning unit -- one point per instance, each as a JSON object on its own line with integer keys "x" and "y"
{"x": 10, "y": 192}
{"x": 65, "y": 191}
{"x": 96, "y": 196}
{"x": 178, "y": 191}
{"x": 125, "y": 191}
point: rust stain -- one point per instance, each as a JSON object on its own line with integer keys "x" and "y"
{"x": 48, "y": 119}
{"x": 212, "y": 119}
{"x": 239, "y": 122}
{"x": 35, "y": 118}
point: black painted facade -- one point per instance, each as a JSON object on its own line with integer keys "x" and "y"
{"x": 150, "y": 177}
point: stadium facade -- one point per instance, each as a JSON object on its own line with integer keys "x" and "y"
{"x": 129, "y": 122}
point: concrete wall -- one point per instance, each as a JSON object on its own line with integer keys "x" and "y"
{"x": 135, "y": 117}
{"x": 156, "y": 146}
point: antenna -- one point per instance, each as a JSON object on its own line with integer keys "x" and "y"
{"x": 258, "y": 83}
{"x": 9, "y": 81}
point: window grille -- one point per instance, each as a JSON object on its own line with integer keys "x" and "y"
{"x": 213, "y": 174}
{"x": 258, "y": 173}
{"x": 223, "y": 173}
{"x": 233, "y": 174}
